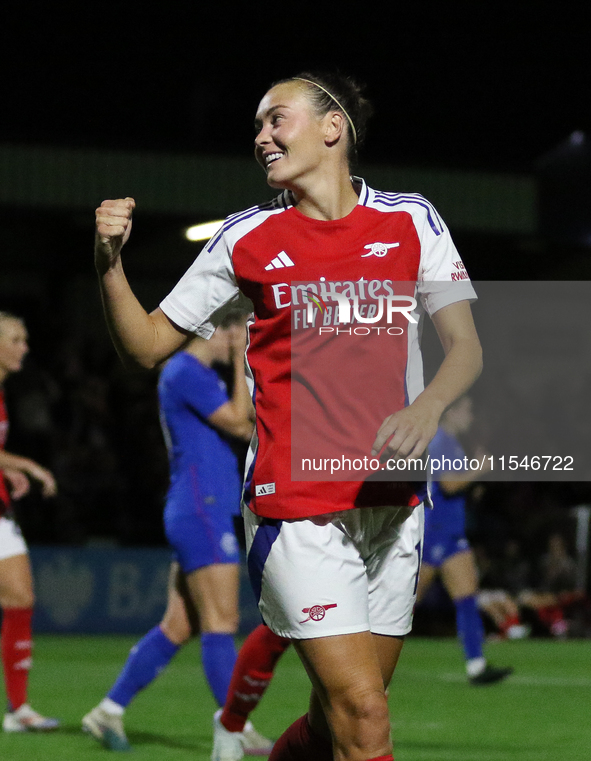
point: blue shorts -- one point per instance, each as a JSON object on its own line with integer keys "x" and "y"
{"x": 202, "y": 538}
{"x": 439, "y": 547}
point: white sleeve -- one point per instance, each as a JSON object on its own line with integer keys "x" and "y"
{"x": 206, "y": 291}
{"x": 443, "y": 279}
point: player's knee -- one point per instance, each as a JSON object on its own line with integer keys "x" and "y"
{"x": 233, "y": 622}
{"x": 364, "y": 708}
{"x": 362, "y": 721}
{"x": 177, "y": 630}
{"x": 224, "y": 623}
{"x": 18, "y": 598}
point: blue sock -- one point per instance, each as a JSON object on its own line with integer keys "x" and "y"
{"x": 469, "y": 626}
{"x": 218, "y": 655}
{"x": 145, "y": 661}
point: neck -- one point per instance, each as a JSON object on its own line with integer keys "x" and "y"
{"x": 330, "y": 196}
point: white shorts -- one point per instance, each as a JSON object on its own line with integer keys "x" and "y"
{"x": 342, "y": 573}
{"x": 11, "y": 539}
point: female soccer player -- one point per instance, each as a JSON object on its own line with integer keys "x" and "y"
{"x": 446, "y": 549}
{"x": 334, "y": 563}
{"x": 201, "y": 425}
{"x": 16, "y": 581}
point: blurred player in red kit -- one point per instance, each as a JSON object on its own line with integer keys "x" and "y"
{"x": 16, "y": 580}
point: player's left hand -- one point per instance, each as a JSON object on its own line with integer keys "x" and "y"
{"x": 407, "y": 433}
{"x": 18, "y": 483}
{"x": 45, "y": 478}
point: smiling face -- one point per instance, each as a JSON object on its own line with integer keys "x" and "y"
{"x": 291, "y": 141}
{"x": 13, "y": 346}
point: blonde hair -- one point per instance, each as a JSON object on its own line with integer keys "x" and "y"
{"x": 9, "y": 316}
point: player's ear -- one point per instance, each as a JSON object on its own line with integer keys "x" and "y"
{"x": 334, "y": 128}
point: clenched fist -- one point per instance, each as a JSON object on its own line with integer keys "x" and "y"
{"x": 113, "y": 227}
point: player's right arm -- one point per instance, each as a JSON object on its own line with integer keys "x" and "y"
{"x": 18, "y": 483}
{"x": 10, "y": 463}
{"x": 141, "y": 339}
{"x": 236, "y": 416}
{"x": 229, "y": 420}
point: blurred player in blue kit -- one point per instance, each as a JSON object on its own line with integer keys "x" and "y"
{"x": 201, "y": 424}
{"x": 446, "y": 549}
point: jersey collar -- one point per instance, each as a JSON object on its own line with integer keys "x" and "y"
{"x": 286, "y": 199}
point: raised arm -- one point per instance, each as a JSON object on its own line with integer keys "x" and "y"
{"x": 141, "y": 339}
{"x": 237, "y": 415}
{"x": 413, "y": 427}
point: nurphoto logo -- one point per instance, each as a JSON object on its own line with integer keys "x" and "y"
{"x": 404, "y": 305}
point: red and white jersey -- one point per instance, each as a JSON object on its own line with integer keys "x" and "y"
{"x": 4, "y": 495}
{"x": 274, "y": 259}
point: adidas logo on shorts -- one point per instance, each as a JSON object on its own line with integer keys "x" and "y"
{"x": 263, "y": 489}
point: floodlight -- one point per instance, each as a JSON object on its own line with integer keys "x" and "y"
{"x": 204, "y": 231}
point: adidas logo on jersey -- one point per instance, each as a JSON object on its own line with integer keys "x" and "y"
{"x": 280, "y": 261}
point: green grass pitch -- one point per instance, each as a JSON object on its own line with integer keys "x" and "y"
{"x": 541, "y": 713}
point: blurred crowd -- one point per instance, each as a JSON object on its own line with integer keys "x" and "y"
{"x": 97, "y": 428}
{"x": 523, "y": 536}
